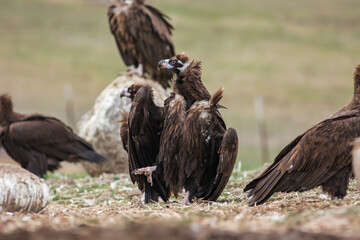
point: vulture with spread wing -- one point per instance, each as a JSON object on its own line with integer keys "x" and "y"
{"x": 196, "y": 150}
{"x": 321, "y": 156}
{"x": 141, "y": 136}
{"x": 143, "y": 36}
{"x": 38, "y": 142}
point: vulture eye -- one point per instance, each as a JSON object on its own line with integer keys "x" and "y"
{"x": 172, "y": 61}
{"x": 130, "y": 90}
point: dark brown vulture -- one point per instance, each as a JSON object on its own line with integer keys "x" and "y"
{"x": 143, "y": 136}
{"x": 195, "y": 152}
{"x": 321, "y": 156}
{"x": 38, "y": 142}
{"x": 143, "y": 36}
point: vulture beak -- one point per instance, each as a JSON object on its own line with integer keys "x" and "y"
{"x": 125, "y": 93}
{"x": 164, "y": 64}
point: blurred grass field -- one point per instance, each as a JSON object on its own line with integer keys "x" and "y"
{"x": 299, "y": 56}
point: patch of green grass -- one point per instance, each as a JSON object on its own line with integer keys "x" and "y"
{"x": 76, "y": 175}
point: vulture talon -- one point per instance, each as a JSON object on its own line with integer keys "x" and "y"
{"x": 147, "y": 171}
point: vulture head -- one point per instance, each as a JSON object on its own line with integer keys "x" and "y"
{"x": 177, "y": 64}
{"x": 6, "y": 107}
{"x": 132, "y": 90}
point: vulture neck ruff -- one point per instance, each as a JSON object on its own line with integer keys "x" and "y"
{"x": 188, "y": 84}
{"x": 7, "y": 115}
{"x": 183, "y": 68}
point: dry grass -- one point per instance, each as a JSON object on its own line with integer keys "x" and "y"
{"x": 78, "y": 200}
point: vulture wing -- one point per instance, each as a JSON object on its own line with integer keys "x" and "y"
{"x": 143, "y": 142}
{"x": 311, "y": 160}
{"x": 227, "y": 158}
{"x": 118, "y": 26}
{"x": 124, "y": 129}
{"x": 170, "y": 142}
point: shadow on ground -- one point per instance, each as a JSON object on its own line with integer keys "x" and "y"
{"x": 158, "y": 231}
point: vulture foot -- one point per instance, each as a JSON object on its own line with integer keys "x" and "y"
{"x": 334, "y": 198}
{"x": 147, "y": 171}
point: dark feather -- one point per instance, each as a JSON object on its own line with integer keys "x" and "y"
{"x": 170, "y": 141}
{"x": 124, "y": 129}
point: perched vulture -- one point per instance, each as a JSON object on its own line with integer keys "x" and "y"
{"x": 321, "y": 156}
{"x": 143, "y": 136}
{"x": 38, "y": 142}
{"x": 196, "y": 150}
{"x": 143, "y": 36}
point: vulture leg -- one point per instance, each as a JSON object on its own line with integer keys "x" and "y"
{"x": 140, "y": 70}
{"x": 136, "y": 70}
{"x": 337, "y": 185}
{"x": 186, "y": 200}
{"x": 147, "y": 171}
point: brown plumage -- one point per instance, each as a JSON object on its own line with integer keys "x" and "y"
{"x": 144, "y": 128}
{"x": 170, "y": 142}
{"x": 38, "y": 142}
{"x": 124, "y": 129}
{"x": 143, "y": 36}
{"x": 188, "y": 81}
{"x": 208, "y": 150}
{"x": 321, "y": 156}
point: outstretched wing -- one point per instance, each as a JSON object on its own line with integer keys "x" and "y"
{"x": 310, "y": 160}
{"x": 144, "y": 137}
{"x": 227, "y": 158}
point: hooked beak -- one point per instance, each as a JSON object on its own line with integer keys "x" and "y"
{"x": 125, "y": 93}
{"x": 164, "y": 64}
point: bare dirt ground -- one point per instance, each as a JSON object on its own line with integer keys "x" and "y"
{"x": 110, "y": 206}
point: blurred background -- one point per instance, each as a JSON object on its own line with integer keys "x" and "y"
{"x": 299, "y": 56}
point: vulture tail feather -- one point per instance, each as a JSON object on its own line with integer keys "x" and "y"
{"x": 264, "y": 189}
{"x": 216, "y": 97}
{"x": 92, "y": 156}
{"x": 150, "y": 193}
